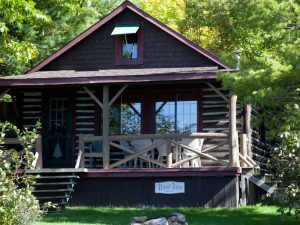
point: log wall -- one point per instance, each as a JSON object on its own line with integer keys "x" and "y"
{"x": 31, "y": 108}
{"x": 215, "y": 118}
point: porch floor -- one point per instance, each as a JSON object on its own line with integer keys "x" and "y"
{"x": 144, "y": 172}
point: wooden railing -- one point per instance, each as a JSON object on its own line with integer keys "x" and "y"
{"x": 245, "y": 159}
{"x": 37, "y": 162}
{"x": 172, "y": 141}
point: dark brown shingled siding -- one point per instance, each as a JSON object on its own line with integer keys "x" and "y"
{"x": 212, "y": 191}
{"x": 98, "y": 50}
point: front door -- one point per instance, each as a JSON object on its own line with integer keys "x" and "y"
{"x": 57, "y": 150}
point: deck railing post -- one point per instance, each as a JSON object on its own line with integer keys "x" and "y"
{"x": 169, "y": 157}
{"x": 38, "y": 149}
{"x": 243, "y": 148}
{"x": 105, "y": 126}
{"x": 233, "y": 146}
{"x": 81, "y": 151}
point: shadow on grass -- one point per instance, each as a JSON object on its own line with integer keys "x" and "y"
{"x": 195, "y": 216}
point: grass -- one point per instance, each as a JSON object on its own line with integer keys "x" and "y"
{"x": 256, "y": 215}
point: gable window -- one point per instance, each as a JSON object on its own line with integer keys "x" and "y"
{"x": 129, "y": 47}
{"x": 128, "y": 44}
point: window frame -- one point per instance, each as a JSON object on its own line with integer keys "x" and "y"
{"x": 118, "y": 52}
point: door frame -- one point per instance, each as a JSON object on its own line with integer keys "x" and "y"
{"x": 57, "y": 92}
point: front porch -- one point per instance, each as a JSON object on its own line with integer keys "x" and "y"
{"x": 136, "y": 126}
{"x": 122, "y": 139}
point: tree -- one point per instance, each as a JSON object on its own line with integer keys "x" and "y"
{"x": 18, "y": 20}
{"x": 31, "y": 30}
{"x": 268, "y": 34}
{"x": 169, "y": 12}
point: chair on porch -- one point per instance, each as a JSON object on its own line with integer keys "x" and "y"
{"x": 162, "y": 149}
{"x": 127, "y": 144}
{"x": 196, "y": 144}
{"x": 140, "y": 144}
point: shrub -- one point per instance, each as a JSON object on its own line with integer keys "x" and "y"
{"x": 286, "y": 163}
{"x": 18, "y": 206}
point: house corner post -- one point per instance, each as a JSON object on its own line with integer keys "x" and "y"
{"x": 105, "y": 127}
{"x": 233, "y": 138}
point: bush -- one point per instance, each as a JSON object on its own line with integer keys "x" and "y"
{"x": 18, "y": 206}
{"x": 286, "y": 164}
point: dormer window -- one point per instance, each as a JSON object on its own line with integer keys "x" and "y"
{"x": 129, "y": 44}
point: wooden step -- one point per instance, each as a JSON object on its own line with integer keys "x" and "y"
{"x": 57, "y": 177}
{"x": 56, "y": 170}
{"x": 53, "y": 190}
{"x": 54, "y": 197}
{"x": 52, "y": 183}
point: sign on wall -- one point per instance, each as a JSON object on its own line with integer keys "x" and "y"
{"x": 169, "y": 187}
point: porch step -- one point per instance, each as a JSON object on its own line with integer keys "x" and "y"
{"x": 55, "y": 177}
{"x": 54, "y": 185}
{"x": 53, "y": 190}
{"x": 54, "y": 197}
{"x": 56, "y": 170}
{"x": 263, "y": 181}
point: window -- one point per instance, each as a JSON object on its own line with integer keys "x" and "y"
{"x": 128, "y": 44}
{"x": 129, "y": 47}
{"x": 58, "y": 114}
{"x": 131, "y": 118}
{"x": 176, "y": 116}
{"x": 125, "y": 118}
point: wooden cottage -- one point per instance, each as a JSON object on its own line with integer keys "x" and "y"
{"x": 132, "y": 114}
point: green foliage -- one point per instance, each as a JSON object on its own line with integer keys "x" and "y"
{"x": 31, "y": 30}
{"x": 286, "y": 162}
{"x": 268, "y": 34}
{"x": 169, "y": 12}
{"x": 16, "y": 47}
{"x": 18, "y": 206}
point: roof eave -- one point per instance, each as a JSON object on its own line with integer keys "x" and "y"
{"x": 107, "y": 80}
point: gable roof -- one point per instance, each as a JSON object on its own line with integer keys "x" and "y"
{"x": 138, "y": 11}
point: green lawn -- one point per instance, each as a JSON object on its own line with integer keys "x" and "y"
{"x": 258, "y": 215}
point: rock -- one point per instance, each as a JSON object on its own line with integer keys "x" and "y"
{"x": 180, "y": 217}
{"x": 158, "y": 221}
{"x": 173, "y": 219}
{"x": 139, "y": 219}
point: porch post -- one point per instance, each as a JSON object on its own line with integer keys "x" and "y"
{"x": 248, "y": 129}
{"x": 233, "y": 148}
{"x": 38, "y": 149}
{"x": 105, "y": 127}
{"x": 243, "y": 148}
{"x": 169, "y": 154}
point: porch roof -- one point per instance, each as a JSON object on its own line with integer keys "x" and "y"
{"x": 113, "y": 76}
